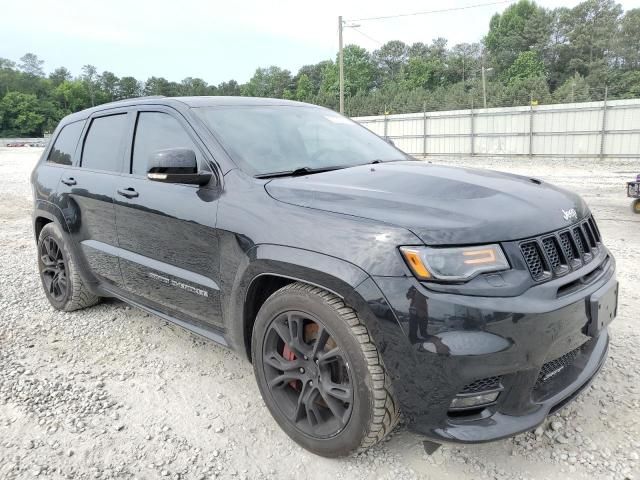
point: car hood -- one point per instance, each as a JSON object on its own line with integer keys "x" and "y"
{"x": 441, "y": 205}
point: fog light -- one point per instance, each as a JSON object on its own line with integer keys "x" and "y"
{"x": 464, "y": 402}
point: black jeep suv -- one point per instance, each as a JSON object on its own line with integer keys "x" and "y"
{"x": 360, "y": 282}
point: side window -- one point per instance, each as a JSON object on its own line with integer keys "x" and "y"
{"x": 156, "y": 131}
{"x": 65, "y": 145}
{"x": 103, "y": 144}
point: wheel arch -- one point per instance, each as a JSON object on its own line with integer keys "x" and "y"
{"x": 271, "y": 268}
{"x": 46, "y": 212}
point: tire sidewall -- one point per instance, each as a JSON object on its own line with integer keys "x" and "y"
{"x": 348, "y": 439}
{"x": 53, "y": 231}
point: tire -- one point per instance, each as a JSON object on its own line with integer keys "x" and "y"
{"x": 61, "y": 282}
{"x": 635, "y": 206}
{"x": 348, "y": 360}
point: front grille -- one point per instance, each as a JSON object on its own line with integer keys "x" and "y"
{"x": 554, "y": 367}
{"x": 560, "y": 252}
{"x": 569, "y": 247}
{"x": 578, "y": 235}
{"x": 554, "y": 254}
{"x": 482, "y": 385}
{"x": 533, "y": 257}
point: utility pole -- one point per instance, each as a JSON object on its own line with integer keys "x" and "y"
{"x": 341, "y": 63}
{"x": 484, "y": 88}
{"x": 484, "y": 84}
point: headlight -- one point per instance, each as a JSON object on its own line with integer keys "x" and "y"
{"x": 454, "y": 264}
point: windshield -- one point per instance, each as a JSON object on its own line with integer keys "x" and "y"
{"x": 272, "y": 139}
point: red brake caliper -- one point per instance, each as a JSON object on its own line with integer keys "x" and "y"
{"x": 288, "y": 354}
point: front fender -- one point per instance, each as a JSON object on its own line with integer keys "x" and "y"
{"x": 330, "y": 273}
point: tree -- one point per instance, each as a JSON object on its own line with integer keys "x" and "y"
{"x": 129, "y": 87}
{"x": 390, "y": 59}
{"x": 20, "y": 115}
{"x": 303, "y": 88}
{"x": 315, "y": 74}
{"x": 594, "y": 26}
{"x": 521, "y": 27}
{"x": 72, "y": 95}
{"x": 32, "y": 65}
{"x": 558, "y": 55}
{"x": 574, "y": 89}
{"x": 160, "y": 86}
{"x": 59, "y": 75}
{"x": 193, "y": 86}
{"x": 628, "y": 45}
{"x": 89, "y": 73}
{"x": 463, "y": 62}
{"x": 230, "y": 88}
{"x": 108, "y": 84}
{"x": 6, "y": 64}
{"x": 268, "y": 82}
{"x": 527, "y": 65}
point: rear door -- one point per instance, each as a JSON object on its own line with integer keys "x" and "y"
{"x": 166, "y": 232}
{"x": 86, "y": 193}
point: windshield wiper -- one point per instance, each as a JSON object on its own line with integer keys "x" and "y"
{"x": 298, "y": 171}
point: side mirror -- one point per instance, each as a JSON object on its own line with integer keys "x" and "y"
{"x": 176, "y": 165}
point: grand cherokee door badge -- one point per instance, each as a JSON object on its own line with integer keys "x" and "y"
{"x": 175, "y": 283}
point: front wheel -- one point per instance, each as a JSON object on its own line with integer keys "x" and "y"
{"x": 319, "y": 372}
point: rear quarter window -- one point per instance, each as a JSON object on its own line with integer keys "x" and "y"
{"x": 65, "y": 144}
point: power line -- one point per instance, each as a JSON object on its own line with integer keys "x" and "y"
{"x": 453, "y": 9}
{"x": 366, "y": 36}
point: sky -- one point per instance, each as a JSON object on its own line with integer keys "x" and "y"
{"x": 218, "y": 41}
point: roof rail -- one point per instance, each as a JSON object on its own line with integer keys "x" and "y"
{"x": 150, "y": 97}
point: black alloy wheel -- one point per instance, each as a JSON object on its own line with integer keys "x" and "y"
{"x": 308, "y": 374}
{"x": 53, "y": 269}
{"x": 61, "y": 281}
{"x": 320, "y": 373}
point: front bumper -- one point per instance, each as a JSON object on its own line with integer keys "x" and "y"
{"x": 446, "y": 342}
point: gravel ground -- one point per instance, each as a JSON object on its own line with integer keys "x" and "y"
{"x": 111, "y": 392}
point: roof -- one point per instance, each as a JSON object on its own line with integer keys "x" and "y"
{"x": 240, "y": 101}
{"x": 188, "y": 101}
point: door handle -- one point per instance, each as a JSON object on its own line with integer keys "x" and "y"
{"x": 128, "y": 192}
{"x": 69, "y": 181}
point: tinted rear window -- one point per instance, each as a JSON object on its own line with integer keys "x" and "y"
{"x": 65, "y": 144}
{"x": 102, "y": 146}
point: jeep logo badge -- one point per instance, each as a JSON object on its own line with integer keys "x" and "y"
{"x": 570, "y": 215}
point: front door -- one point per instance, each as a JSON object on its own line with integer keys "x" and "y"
{"x": 166, "y": 232}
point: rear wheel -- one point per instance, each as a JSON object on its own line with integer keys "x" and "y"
{"x": 635, "y": 206}
{"x": 320, "y": 373}
{"x": 62, "y": 284}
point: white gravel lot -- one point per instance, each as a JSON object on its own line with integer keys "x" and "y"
{"x": 111, "y": 392}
